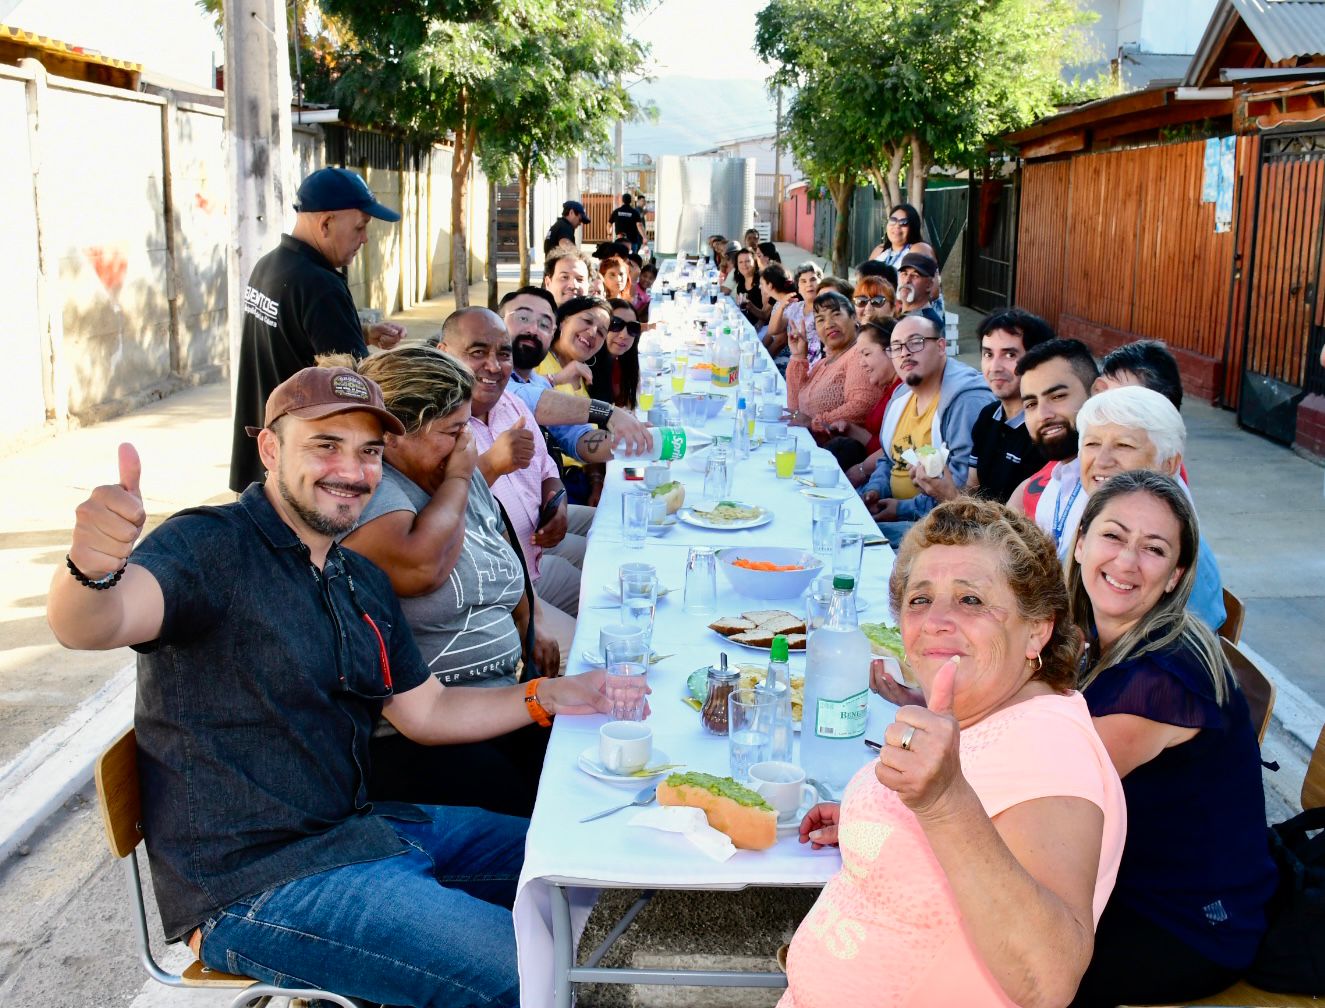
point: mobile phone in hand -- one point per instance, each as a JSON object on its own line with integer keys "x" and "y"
{"x": 549, "y": 510}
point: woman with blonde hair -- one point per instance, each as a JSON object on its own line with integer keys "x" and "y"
{"x": 1188, "y": 911}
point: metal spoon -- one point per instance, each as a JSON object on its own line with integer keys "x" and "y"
{"x": 645, "y": 797}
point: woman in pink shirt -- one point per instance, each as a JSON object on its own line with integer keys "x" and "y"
{"x": 835, "y": 387}
{"x": 979, "y": 850}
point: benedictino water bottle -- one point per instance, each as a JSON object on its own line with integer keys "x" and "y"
{"x": 837, "y": 675}
{"x": 670, "y": 444}
{"x": 741, "y": 431}
{"x": 777, "y": 680}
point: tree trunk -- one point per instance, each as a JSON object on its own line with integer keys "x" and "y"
{"x": 522, "y": 231}
{"x": 464, "y": 156}
{"x": 842, "y": 191}
{"x": 895, "y": 155}
{"x": 919, "y": 175}
{"x": 492, "y": 243}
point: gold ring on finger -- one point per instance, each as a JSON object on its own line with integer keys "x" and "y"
{"x": 907, "y": 736}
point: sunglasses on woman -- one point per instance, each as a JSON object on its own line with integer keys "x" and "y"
{"x": 617, "y": 324}
{"x": 877, "y": 301}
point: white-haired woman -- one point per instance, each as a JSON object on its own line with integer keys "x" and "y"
{"x": 1132, "y": 427}
{"x": 1188, "y": 911}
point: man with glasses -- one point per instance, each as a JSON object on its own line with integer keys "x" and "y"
{"x": 266, "y": 655}
{"x": 936, "y": 406}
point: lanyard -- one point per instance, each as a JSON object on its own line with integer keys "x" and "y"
{"x": 1061, "y": 521}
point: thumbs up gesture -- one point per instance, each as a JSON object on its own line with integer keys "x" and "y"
{"x": 109, "y": 522}
{"x": 920, "y": 758}
{"x": 513, "y": 449}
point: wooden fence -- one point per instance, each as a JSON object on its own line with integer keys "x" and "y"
{"x": 1117, "y": 246}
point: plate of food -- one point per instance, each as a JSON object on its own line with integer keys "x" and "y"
{"x": 751, "y": 676}
{"x": 726, "y": 515}
{"x": 757, "y": 628}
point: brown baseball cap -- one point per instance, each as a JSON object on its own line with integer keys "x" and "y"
{"x": 317, "y": 392}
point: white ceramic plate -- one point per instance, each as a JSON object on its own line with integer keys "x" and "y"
{"x": 688, "y": 515}
{"x": 752, "y": 647}
{"x": 594, "y": 658}
{"x": 590, "y": 765}
{"x": 613, "y": 591}
{"x": 663, "y": 527}
{"x": 793, "y": 826}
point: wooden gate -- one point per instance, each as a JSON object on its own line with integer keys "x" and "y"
{"x": 1282, "y": 310}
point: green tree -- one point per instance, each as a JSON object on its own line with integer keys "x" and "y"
{"x": 906, "y": 84}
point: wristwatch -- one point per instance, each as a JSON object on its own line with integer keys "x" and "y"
{"x": 600, "y": 413}
{"x": 537, "y": 712}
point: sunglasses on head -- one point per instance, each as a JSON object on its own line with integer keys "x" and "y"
{"x": 617, "y": 324}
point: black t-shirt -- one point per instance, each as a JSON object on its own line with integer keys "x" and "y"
{"x": 561, "y": 228}
{"x": 626, "y": 221}
{"x": 296, "y": 306}
{"x": 1002, "y": 453}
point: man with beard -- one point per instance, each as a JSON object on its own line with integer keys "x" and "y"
{"x": 917, "y": 283}
{"x": 1056, "y": 378}
{"x": 583, "y": 429}
{"x": 516, "y": 465}
{"x": 936, "y": 406}
{"x": 266, "y": 655}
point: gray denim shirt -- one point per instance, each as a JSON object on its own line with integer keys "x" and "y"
{"x": 255, "y": 707}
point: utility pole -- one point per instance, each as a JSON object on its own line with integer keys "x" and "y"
{"x": 619, "y": 155}
{"x": 259, "y": 146}
{"x": 777, "y": 172}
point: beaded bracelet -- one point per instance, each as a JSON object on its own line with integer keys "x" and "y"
{"x": 99, "y": 584}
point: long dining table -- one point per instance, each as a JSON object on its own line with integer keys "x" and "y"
{"x": 568, "y": 862}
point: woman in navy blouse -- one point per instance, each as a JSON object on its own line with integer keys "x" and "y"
{"x": 1188, "y": 911}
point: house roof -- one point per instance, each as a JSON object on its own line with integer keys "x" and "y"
{"x": 67, "y": 60}
{"x": 1284, "y": 30}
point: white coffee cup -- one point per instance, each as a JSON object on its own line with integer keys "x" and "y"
{"x": 783, "y": 786}
{"x": 803, "y": 443}
{"x": 770, "y": 410}
{"x": 825, "y": 472}
{"x": 625, "y": 746}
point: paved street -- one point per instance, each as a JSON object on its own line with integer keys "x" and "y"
{"x": 66, "y": 939}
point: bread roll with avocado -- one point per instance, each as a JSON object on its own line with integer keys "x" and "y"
{"x": 730, "y": 807}
{"x": 673, "y": 493}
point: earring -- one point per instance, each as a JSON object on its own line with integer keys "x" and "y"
{"x": 1039, "y": 663}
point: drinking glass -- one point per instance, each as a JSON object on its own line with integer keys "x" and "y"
{"x": 701, "y": 587}
{"x": 678, "y": 378}
{"x": 848, "y": 550}
{"x": 751, "y": 714}
{"x": 827, "y": 518}
{"x": 620, "y": 642}
{"x": 639, "y": 596}
{"x": 717, "y": 475}
{"x": 785, "y": 459}
{"x": 625, "y": 686}
{"x": 635, "y": 518}
{"x": 817, "y": 599}
{"x": 647, "y": 392}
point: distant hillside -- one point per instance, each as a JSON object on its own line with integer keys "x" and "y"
{"x": 694, "y": 114}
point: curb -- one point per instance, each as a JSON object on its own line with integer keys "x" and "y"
{"x": 59, "y": 763}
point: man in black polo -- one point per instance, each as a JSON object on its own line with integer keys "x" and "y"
{"x": 563, "y": 228}
{"x": 627, "y": 223}
{"x": 266, "y": 654}
{"x": 297, "y": 303}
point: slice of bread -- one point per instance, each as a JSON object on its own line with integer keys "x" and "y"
{"x": 761, "y": 616}
{"x": 750, "y": 821}
{"x": 796, "y": 641}
{"x": 729, "y": 625}
{"x": 785, "y": 624}
{"x": 758, "y": 637}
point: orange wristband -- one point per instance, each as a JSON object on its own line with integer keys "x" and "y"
{"x": 537, "y": 712}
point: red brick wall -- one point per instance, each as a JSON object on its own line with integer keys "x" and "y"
{"x": 1202, "y": 376}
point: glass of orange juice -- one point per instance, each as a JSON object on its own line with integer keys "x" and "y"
{"x": 784, "y": 461}
{"x": 647, "y": 391}
{"x": 678, "y": 377}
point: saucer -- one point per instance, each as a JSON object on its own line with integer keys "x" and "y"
{"x": 594, "y": 658}
{"x": 792, "y": 826}
{"x": 589, "y": 764}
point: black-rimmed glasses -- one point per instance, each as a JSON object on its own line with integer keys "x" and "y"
{"x": 914, "y": 345}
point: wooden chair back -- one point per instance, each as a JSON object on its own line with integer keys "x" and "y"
{"x": 1313, "y": 784}
{"x": 1258, "y": 690}
{"x": 1234, "y": 613}
{"x": 116, "y": 776}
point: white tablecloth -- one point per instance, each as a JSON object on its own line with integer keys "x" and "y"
{"x": 609, "y": 852}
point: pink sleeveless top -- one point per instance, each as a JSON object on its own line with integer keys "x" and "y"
{"x": 886, "y": 930}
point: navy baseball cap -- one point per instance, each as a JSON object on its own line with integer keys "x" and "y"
{"x": 340, "y": 189}
{"x": 577, "y": 206}
{"x": 918, "y": 261}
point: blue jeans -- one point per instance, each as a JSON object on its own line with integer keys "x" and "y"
{"x": 431, "y": 926}
{"x": 895, "y": 531}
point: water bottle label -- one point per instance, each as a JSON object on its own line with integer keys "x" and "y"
{"x": 842, "y": 719}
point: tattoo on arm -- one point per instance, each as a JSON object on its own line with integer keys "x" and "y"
{"x": 593, "y": 442}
